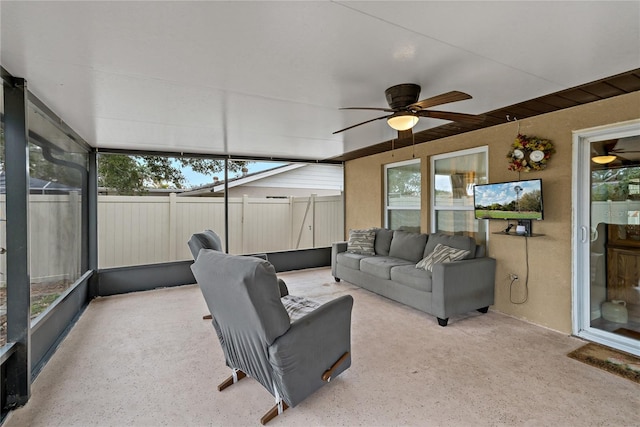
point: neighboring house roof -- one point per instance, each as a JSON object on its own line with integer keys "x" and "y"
{"x": 293, "y": 175}
{"x": 41, "y": 186}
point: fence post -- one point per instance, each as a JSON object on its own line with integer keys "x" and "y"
{"x": 313, "y": 219}
{"x": 173, "y": 225}
{"x": 75, "y": 234}
{"x": 243, "y": 226}
{"x": 291, "y": 224}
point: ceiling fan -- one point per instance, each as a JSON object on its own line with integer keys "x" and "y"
{"x": 406, "y": 110}
{"x": 621, "y": 151}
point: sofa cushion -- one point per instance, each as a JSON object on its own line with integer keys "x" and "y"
{"x": 380, "y": 266}
{"x": 383, "y": 241}
{"x": 412, "y": 277}
{"x": 361, "y": 241}
{"x": 459, "y": 242}
{"x": 350, "y": 260}
{"x": 441, "y": 254}
{"x": 409, "y": 246}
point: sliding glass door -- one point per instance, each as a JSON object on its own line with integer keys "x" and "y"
{"x": 607, "y": 235}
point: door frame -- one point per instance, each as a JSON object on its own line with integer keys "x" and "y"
{"x": 581, "y": 229}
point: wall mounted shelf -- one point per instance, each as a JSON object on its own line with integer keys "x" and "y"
{"x": 517, "y": 235}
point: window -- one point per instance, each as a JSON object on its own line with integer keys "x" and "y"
{"x": 58, "y": 169}
{"x": 402, "y": 189}
{"x": 150, "y": 205}
{"x": 453, "y": 176}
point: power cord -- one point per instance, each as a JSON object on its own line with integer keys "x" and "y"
{"x": 526, "y": 279}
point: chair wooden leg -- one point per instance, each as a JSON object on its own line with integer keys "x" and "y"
{"x": 326, "y": 376}
{"x": 231, "y": 380}
{"x": 272, "y": 413}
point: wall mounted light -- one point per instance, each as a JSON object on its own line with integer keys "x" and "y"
{"x": 402, "y": 121}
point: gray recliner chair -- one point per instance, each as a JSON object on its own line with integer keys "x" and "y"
{"x": 208, "y": 239}
{"x": 291, "y": 351}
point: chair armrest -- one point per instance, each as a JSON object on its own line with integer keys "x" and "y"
{"x": 461, "y": 286}
{"x": 336, "y": 248}
{"x": 311, "y": 346}
{"x": 284, "y": 291}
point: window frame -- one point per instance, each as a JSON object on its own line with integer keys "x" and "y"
{"x": 434, "y": 209}
{"x": 388, "y": 208}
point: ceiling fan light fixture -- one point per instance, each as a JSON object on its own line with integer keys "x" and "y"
{"x": 402, "y": 121}
{"x": 603, "y": 160}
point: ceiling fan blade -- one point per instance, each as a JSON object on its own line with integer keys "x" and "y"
{"x": 455, "y": 117}
{"x": 368, "y": 121}
{"x": 445, "y": 98}
{"x": 389, "y": 110}
{"x": 618, "y": 150}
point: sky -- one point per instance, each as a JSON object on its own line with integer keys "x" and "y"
{"x": 195, "y": 179}
{"x": 502, "y": 193}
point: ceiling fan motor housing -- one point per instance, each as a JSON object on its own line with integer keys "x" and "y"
{"x": 402, "y": 95}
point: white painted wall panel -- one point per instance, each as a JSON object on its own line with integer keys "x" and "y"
{"x": 310, "y": 176}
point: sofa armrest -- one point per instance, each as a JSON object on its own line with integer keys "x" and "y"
{"x": 336, "y": 248}
{"x": 462, "y": 286}
{"x": 310, "y": 347}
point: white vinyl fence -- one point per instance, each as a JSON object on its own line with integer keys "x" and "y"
{"x": 55, "y": 235}
{"x": 151, "y": 229}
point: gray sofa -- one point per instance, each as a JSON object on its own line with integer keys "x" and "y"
{"x": 389, "y": 269}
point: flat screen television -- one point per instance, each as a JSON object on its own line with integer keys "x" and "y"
{"x": 514, "y": 200}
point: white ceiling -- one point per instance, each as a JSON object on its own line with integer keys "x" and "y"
{"x": 267, "y": 78}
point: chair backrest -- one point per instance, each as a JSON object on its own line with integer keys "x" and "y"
{"x": 208, "y": 239}
{"x": 244, "y": 298}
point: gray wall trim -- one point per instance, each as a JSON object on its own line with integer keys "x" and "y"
{"x": 114, "y": 281}
{"x": 92, "y": 222}
{"x": 217, "y": 156}
{"x": 120, "y": 280}
{"x": 300, "y": 259}
{"x": 18, "y": 375}
{"x": 7, "y": 351}
{"x": 52, "y": 326}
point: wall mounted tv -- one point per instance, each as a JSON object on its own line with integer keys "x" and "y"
{"x": 515, "y": 200}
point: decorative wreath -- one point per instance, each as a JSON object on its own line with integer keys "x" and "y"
{"x": 529, "y": 153}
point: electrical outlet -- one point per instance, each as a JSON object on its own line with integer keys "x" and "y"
{"x": 513, "y": 276}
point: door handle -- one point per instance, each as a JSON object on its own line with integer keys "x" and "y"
{"x": 583, "y": 234}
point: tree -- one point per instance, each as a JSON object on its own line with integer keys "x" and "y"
{"x": 135, "y": 174}
{"x": 404, "y": 181}
{"x": 530, "y": 202}
{"x": 613, "y": 184}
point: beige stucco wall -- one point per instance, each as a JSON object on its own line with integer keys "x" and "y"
{"x": 550, "y": 270}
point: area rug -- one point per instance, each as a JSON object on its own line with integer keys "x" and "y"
{"x": 610, "y": 360}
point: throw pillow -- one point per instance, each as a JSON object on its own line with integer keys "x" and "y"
{"x": 459, "y": 242}
{"x": 361, "y": 241}
{"x": 441, "y": 254}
